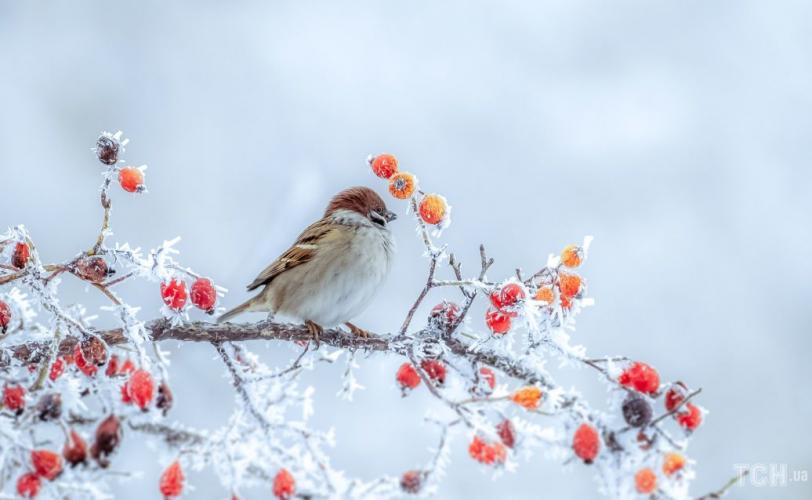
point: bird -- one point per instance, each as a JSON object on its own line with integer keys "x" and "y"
{"x": 333, "y": 270}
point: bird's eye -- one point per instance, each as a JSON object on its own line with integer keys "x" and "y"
{"x": 377, "y": 218}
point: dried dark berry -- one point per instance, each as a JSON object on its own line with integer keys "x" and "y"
{"x": 107, "y": 150}
{"x": 164, "y": 400}
{"x": 49, "y": 407}
{"x": 411, "y": 481}
{"x": 636, "y": 411}
{"x": 108, "y": 436}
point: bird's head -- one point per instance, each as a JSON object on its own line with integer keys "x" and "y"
{"x": 363, "y": 201}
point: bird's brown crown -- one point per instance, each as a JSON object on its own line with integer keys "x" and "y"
{"x": 357, "y": 199}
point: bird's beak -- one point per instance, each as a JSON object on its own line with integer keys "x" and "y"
{"x": 390, "y": 216}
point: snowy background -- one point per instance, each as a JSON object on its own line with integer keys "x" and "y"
{"x": 675, "y": 132}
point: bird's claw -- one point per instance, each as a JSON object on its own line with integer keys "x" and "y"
{"x": 315, "y": 332}
{"x": 359, "y": 332}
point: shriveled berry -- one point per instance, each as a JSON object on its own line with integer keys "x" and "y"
{"x": 141, "y": 388}
{"x": 384, "y": 165}
{"x": 572, "y": 256}
{"x": 108, "y": 437}
{"x": 93, "y": 269}
{"x": 488, "y": 376}
{"x": 407, "y": 377}
{"x": 172, "y": 479}
{"x": 131, "y": 179}
{"x": 75, "y": 450}
{"x": 107, "y": 149}
{"x": 528, "y": 397}
{"x": 5, "y": 316}
{"x": 435, "y": 369}
{"x": 507, "y": 433}
{"x": 673, "y": 462}
{"x": 690, "y": 418}
{"x": 127, "y": 367}
{"x": 174, "y": 294}
{"x": 433, "y": 209}
{"x": 21, "y": 254}
{"x": 164, "y": 400}
{"x": 112, "y": 366}
{"x": 640, "y": 377}
{"x": 569, "y": 285}
{"x": 545, "y": 294}
{"x": 675, "y": 395}
{"x": 28, "y": 485}
{"x": 636, "y": 411}
{"x": 645, "y": 481}
{"x": 204, "y": 296}
{"x": 487, "y": 453}
{"x": 14, "y": 398}
{"x": 284, "y": 486}
{"x": 497, "y": 321}
{"x": 411, "y": 481}
{"x": 82, "y": 364}
{"x": 402, "y": 185}
{"x": 49, "y": 407}
{"x": 125, "y": 394}
{"x": 94, "y": 350}
{"x": 46, "y": 464}
{"x": 444, "y": 315}
{"x": 57, "y": 368}
{"x": 586, "y": 443}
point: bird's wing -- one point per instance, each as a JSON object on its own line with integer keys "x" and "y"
{"x": 301, "y": 252}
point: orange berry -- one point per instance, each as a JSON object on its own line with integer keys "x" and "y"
{"x": 487, "y": 453}
{"x": 572, "y": 256}
{"x": 645, "y": 481}
{"x": 673, "y": 462}
{"x": 545, "y": 294}
{"x": 131, "y": 179}
{"x": 433, "y": 208}
{"x": 402, "y": 185}
{"x": 528, "y": 398}
{"x": 569, "y": 285}
{"x": 384, "y": 165}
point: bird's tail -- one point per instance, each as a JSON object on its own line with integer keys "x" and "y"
{"x": 244, "y": 307}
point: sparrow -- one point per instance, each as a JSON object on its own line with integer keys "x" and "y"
{"x": 333, "y": 270}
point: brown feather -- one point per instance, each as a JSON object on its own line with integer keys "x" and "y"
{"x": 358, "y": 199}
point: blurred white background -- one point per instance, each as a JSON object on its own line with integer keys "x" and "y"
{"x": 675, "y": 132}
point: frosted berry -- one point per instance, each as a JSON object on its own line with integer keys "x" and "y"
{"x": 284, "y": 486}
{"x": 528, "y": 398}
{"x": 127, "y": 367}
{"x": 672, "y": 463}
{"x": 645, "y": 481}
{"x": 171, "y": 484}
{"x": 488, "y": 376}
{"x": 402, "y": 185}
{"x": 28, "y": 485}
{"x": 690, "y": 417}
{"x": 82, "y": 364}
{"x": 203, "y": 295}
{"x": 164, "y": 400}
{"x": 107, "y": 150}
{"x": 487, "y": 453}
{"x": 131, "y": 179}
{"x": 75, "y": 450}
{"x": 21, "y": 255}
{"x": 433, "y": 209}
{"x": 507, "y": 433}
{"x": 435, "y": 369}
{"x": 586, "y": 443}
{"x": 141, "y": 388}
{"x": 46, "y": 464}
{"x": 545, "y": 294}
{"x": 112, "y": 369}
{"x": 93, "y": 269}
{"x": 636, "y": 411}
{"x": 640, "y": 377}
{"x": 407, "y": 377}
{"x": 569, "y": 284}
{"x": 57, "y": 368}
{"x": 444, "y": 315}
{"x": 572, "y": 256}
{"x": 125, "y": 394}
{"x": 5, "y": 316}
{"x": 497, "y": 321}
{"x": 511, "y": 294}
{"x": 94, "y": 351}
{"x": 108, "y": 437}
{"x": 174, "y": 294}
{"x": 675, "y": 395}
{"x": 384, "y": 165}
{"x": 14, "y": 398}
{"x": 49, "y": 407}
{"x": 411, "y": 481}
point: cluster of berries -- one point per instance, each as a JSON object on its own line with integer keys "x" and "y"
{"x": 203, "y": 294}
{"x": 433, "y": 208}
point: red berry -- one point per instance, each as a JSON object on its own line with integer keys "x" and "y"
{"x": 14, "y": 398}
{"x": 127, "y": 367}
{"x": 204, "y": 296}
{"x": 488, "y": 376}
{"x": 511, "y": 294}
{"x": 21, "y": 255}
{"x": 487, "y": 453}
{"x": 125, "y": 394}
{"x": 691, "y": 418}
{"x": 92, "y": 269}
{"x": 284, "y": 486}
{"x": 497, "y": 321}
{"x": 586, "y": 443}
{"x": 75, "y": 449}
{"x": 112, "y": 366}
{"x": 171, "y": 484}
{"x": 174, "y": 294}
{"x": 645, "y": 481}
{"x": 435, "y": 369}
{"x": 411, "y": 481}
{"x": 28, "y": 485}
{"x": 675, "y": 395}
{"x": 384, "y": 165}
{"x": 141, "y": 388}
{"x": 57, "y": 368}
{"x": 640, "y": 377}
{"x": 407, "y": 377}
{"x": 444, "y": 315}
{"x": 507, "y": 433}
{"x": 5, "y": 316}
{"x": 84, "y": 366}
{"x": 46, "y": 464}
{"x": 131, "y": 179}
